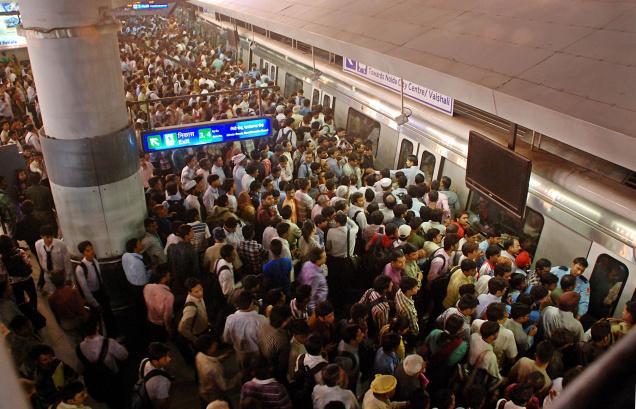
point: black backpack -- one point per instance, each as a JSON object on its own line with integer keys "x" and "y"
{"x": 376, "y": 257}
{"x": 139, "y": 396}
{"x": 426, "y": 266}
{"x": 100, "y": 380}
{"x": 303, "y": 384}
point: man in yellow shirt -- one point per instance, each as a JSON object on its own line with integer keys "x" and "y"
{"x": 465, "y": 274}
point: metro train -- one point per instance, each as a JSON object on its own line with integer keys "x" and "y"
{"x": 571, "y": 211}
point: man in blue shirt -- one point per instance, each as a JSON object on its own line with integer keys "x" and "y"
{"x": 133, "y": 263}
{"x": 582, "y": 287}
{"x": 410, "y": 170}
{"x": 276, "y": 273}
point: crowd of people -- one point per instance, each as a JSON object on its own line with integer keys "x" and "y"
{"x": 288, "y": 274}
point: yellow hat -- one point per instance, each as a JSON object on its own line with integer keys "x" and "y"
{"x": 383, "y": 384}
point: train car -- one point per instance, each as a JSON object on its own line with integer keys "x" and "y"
{"x": 572, "y": 210}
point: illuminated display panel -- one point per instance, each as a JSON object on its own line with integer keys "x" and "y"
{"x": 206, "y": 133}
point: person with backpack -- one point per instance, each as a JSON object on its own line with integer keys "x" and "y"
{"x": 152, "y": 390}
{"x": 88, "y": 276}
{"x": 286, "y": 133}
{"x": 377, "y": 299}
{"x": 194, "y": 321}
{"x": 99, "y": 356}
{"x": 308, "y": 372}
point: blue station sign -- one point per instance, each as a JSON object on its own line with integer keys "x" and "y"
{"x": 205, "y": 133}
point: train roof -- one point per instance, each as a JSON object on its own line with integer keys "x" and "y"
{"x": 564, "y": 68}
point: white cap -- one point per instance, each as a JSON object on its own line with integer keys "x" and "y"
{"x": 189, "y": 185}
{"x": 385, "y": 182}
{"x": 413, "y": 364}
{"x": 280, "y": 117}
{"x": 404, "y": 231}
{"x": 236, "y": 159}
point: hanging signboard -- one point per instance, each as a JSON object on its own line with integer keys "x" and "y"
{"x": 419, "y": 93}
{"x": 205, "y": 133}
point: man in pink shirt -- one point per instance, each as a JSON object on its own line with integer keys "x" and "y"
{"x": 159, "y": 302}
{"x": 395, "y": 267}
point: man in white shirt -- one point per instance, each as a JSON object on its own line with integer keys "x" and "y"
{"x": 251, "y": 173}
{"x": 212, "y": 192}
{"x": 217, "y": 168}
{"x": 496, "y": 288}
{"x": 88, "y": 277}
{"x": 356, "y": 211}
{"x": 410, "y": 170}
{"x": 189, "y": 170}
{"x": 53, "y": 257}
{"x": 511, "y": 249}
{"x": 224, "y": 270}
{"x": 32, "y": 138}
{"x": 333, "y": 389}
{"x": 480, "y": 353}
{"x": 505, "y": 346}
{"x": 242, "y": 328}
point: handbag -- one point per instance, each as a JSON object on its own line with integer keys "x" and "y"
{"x": 354, "y": 260}
{"x": 478, "y": 376}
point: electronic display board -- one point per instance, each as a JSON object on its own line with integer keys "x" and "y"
{"x": 205, "y": 133}
{"x": 498, "y": 173}
{"x": 146, "y": 6}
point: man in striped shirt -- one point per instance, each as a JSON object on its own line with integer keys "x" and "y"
{"x": 376, "y": 299}
{"x": 404, "y": 302}
{"x": 265, "y": 389}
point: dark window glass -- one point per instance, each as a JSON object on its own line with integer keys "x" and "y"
{"x": 292, "y": 85}
{"x": 326, "y": 101}
{"x": 406, "y": 149}
{"x": 427, "y": 165}
{"x": 273, "y": 73}
{"x": 362, "y": 127}
{"x": 315, "y": 97}
{"x": 488, "y": 214}
{"x": 606, "y": 285}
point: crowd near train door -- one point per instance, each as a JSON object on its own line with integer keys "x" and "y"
{"x": 272, "y": 70}
{"x": 428, "y": 161}
{"x": 610, "y": 285}
{"x": 320, "y": 97}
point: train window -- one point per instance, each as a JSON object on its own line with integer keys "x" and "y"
{"x": 315, "y": 97}
{"x": 427, "y": 165}
{"x": 326, "y": 101}
{"x": 364, "y": 128}
{"x": 608, "y": 278}
{"x": 292, "y": 85}
{"x": 406, "y": 148}
{"x": 483, "y": 211}
{"x": 273, "y": 73}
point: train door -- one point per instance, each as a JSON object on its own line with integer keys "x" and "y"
{"x": 271, "y": 69}
{"x": 612, "y": 282}
{"x": 328, "y": 101}
{"x": 316, "y": 96}
{"x": 428, "y": 161}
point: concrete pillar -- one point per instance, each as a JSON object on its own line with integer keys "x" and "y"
{"x": 90, "y": 152}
